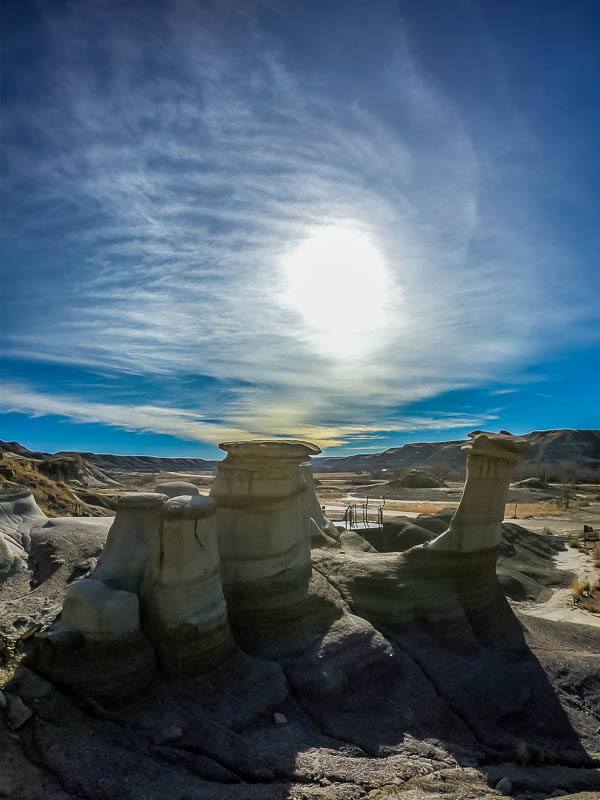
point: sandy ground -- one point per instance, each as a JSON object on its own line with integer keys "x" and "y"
{"x": 560, "y": 607}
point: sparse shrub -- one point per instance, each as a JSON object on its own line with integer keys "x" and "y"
{"x": 583, "y": 587}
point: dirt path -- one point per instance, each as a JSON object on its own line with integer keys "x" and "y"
{"x": 560, "y": 607}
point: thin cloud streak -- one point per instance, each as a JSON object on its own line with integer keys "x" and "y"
{"x": 190, "y": 425}
{"x": 190, "y": 186}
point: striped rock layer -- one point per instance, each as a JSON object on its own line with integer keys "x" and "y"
{"x": 153, "y": 601}
{"x": 264, "y": 531}
{"x": 448, "y": 587}
{"x": 176, "y": 573}
{"x": 183, "y": 606}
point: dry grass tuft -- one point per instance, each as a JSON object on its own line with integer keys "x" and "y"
{"x": 418, "y": 506}
{"x": 584, "y": 587}
{"x": 55, "y": 498}
{"x": 543, "y": 508}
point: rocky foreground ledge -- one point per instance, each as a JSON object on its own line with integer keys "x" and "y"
{"x": 242, "y": 647}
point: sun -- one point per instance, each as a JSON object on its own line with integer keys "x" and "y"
{"x": 337, "y": 279}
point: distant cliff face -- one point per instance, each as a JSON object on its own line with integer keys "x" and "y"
{"x": 581, "y": 447}
{"x": 547, "y": 447}
{"x": 106, "y": 461}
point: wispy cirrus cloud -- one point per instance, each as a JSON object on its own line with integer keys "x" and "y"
{"x": 171, "y": 163}
{"x": 193, "y": 426}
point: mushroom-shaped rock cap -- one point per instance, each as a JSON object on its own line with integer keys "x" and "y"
{"x": 188, "y": 507}
{"x": 176, "y": 488}
{"x": 271, "y": 448}
{"x": 144, "y": 500}
{"x": 497, "y": 445}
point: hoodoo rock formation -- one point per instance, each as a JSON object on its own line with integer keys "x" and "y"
{"x": 211, "y": 652}
{"x": 131, "y": 541}
{"x": 176, "y": 573}
{"x": 447, "y": 586}
{"x": 264, "y": 531}
{"x": 182, "y": 598}
{"x": 476, "y": 524}
{"x": 155, "y": 595}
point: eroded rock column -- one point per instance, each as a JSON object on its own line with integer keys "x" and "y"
{"x": 264, "y": 531}
{"x": 183, "y": 607}
{"x": 131, "y": 540}
{"x": 99, "y": 648}
{"x": 462, "y": 560}
{"x": 476, "y": 524}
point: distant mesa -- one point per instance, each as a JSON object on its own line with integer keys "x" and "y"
{"x": 118, "y": 463}
{"x": 580, "y": 447}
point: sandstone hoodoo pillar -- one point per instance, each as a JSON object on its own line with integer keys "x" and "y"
{"x": 476, "y": 524}
{"x": 131, "y": 539}
{"x": 264, "y": 531}
{"x": 183, "y": 607}
{"x": 463, "y": 558}
{"x": 99, "y": 647}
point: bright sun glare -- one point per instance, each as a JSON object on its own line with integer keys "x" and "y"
{"x": 338, "y": 280}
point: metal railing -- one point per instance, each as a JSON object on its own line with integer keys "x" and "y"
{"x": 357, "y": 515}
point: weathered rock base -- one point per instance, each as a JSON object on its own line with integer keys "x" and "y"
{"x": 111, "y": 671}
{"x": 261, "y": 613}
{"x": 191, "y": 649}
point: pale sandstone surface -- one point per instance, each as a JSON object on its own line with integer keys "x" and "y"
{"x": 176, "y": 488}
{"x": 264, "y": 532}
{"x": 181, "y": 594}
{"x": 98, "y": 612}
{"x": 476, "y": 524}
{"x": 131, "y": 539}
{"x": 18, "y": 514}
{"x": 398, "y": 674}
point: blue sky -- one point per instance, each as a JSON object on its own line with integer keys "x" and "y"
{"x": 352, "y": 222}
